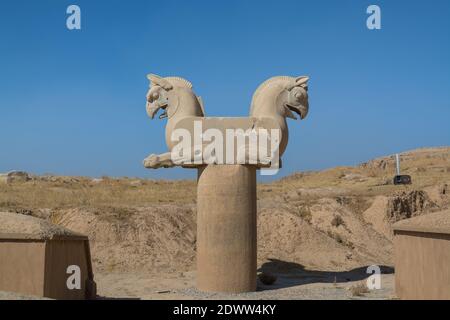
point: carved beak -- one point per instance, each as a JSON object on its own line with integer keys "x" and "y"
{"x": 152, "y": 110}
{"x": 301, "y": 110}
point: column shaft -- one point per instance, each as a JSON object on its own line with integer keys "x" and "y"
{"x": 226, "y": 228}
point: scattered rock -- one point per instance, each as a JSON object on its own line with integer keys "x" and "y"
{"x": 96, "y": 181}
{"x": 443, "y": 189}
{"x": 337, "y": 221}
{"x": 354, "y": 177}
{"x": 136, "y": 183}
{"x": 359, "y": 289}
{"x": 386, "y": 181}
{"x": 163, "y": 291}
{"x": 267, "y": 278}
{"x": 14, "y": 176}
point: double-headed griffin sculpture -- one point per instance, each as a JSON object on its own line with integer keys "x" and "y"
{"x": 227, "y": 152}
{"x": 275, "y": 100}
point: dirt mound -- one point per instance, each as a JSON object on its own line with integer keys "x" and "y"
{"x": 347, "y": 228}
{"x": 160, "y": 238}
{"x": 287, "y": 237}
{"x": 30, "y": 227}
{"x": 408, "y": 204}
{"x": 376, "y": 216}
{"x": 439, "y": 194}
{"x": 320, "y": 233}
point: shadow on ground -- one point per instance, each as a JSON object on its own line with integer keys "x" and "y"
{"x": 291, "y": 274}
{"x": 115, "y": 298}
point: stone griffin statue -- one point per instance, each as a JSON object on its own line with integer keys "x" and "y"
{"x": 275, "y": 100}
{"x": 175, "y": 96}
{"x": 226, "y": 243}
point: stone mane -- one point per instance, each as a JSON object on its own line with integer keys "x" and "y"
{"x": 269, "y": 82}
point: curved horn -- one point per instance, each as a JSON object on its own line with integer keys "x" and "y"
{"x": 300, "y": 81}
{"x": 157, "y": 80}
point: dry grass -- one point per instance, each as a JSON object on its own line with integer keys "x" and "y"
{"x": 83, "y": 193}
{"x": 426, "y": 166}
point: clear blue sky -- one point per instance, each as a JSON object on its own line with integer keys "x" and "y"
{"x": 73, "y": 102}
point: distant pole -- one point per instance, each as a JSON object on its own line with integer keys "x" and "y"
{"x": 397, "y": 160}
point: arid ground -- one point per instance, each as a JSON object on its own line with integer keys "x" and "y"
{"x": 317, "y": 231}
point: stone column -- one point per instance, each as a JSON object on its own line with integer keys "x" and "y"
{"x": 226, "y": 228}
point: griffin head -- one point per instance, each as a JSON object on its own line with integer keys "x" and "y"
{"x": 158, "y": 96}
{"x": 297, "y": 98}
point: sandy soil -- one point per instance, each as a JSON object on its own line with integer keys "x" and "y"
{"x": 290, "y": 286}
{"x": 181, "y": 286}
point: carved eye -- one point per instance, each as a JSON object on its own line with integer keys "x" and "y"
{"x": 155, "y": 95}
{"x": 298, "y": 95}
